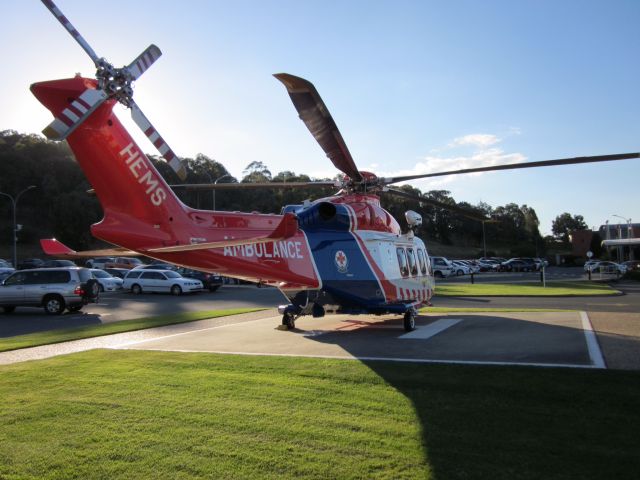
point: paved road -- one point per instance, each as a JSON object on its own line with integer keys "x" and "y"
{"x": 124, "y": 306}
{"x": 469, "y": 337}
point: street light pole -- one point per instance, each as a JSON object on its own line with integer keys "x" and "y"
{"x": 214, "y": 190}
{"x": 14, "y": 205}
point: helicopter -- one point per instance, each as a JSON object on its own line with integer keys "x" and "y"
{"x": 343, "y": 253}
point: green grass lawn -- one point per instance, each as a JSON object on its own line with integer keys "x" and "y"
{"x": 76, "y": 333}
{"x": 156, "y": 415}
{"x": 523, "y": 289}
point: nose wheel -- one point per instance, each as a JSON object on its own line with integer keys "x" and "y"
{"x": 289, "y": 321}
{"x": 410, "y": 320}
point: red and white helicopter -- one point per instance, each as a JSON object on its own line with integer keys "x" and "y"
{"x": 343, "y": 253}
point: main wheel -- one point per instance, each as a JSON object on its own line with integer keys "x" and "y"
{"x": 176, "y": 290}
{"x": 410, "y": 320}
{"x": 54, "y": 304}
{"x": 135, "y": 288}
{"x": 289, "y": 321}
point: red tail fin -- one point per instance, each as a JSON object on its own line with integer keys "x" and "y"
{"x": 135, "y": 198}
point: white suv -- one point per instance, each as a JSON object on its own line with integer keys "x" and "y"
{"x": 52, "y": 288}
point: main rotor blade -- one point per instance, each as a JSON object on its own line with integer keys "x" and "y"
{"x": 76, "y": 113}
{"x": 250, "y": 185}
{"x": 514, "y": 166}
{"x": 315, "y": 115}
{"x": 453, "y": 208}
{"x": 71, "y": 29}
{"x": 142, "y": 63}
{"x": 145, "y": 125}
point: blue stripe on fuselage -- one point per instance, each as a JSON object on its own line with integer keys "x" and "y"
{"x": 356, "y": 284}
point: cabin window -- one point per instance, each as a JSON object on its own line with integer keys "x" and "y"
{"x": 422, "y": 261}
{"x": 402, "y": 261}
{"x": 413, "y": 266}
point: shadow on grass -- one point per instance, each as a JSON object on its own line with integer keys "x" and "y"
{"x": 511, "y": 422}
{"x": 523, "y": 422}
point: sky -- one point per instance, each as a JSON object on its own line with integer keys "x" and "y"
{"x": 414, "y": 87}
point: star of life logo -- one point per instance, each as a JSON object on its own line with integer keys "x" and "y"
{"x": 341, "y": 261}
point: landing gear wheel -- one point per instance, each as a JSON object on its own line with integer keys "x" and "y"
{"x": 289, "y": 321}
{"x": 410, "y": 320}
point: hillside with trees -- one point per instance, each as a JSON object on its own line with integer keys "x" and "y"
{"x": 60, "y": 206}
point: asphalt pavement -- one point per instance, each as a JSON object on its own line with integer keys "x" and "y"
{"x": 559, "y": 339}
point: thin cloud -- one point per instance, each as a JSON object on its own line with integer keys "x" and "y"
{"x": 486, "y": 155}
{"x": 478, "y": 140}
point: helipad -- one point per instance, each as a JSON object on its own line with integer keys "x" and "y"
{"x": 517, "y": 338}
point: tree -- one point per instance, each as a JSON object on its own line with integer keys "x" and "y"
{"x": 565, "y": 223}
{"x": 256, "y": 172}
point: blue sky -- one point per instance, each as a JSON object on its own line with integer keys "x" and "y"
{"x": 414, "y": 86}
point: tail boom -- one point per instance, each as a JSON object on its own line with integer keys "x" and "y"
{"x": 143, "y": 214}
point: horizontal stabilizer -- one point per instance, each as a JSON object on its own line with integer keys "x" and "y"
{"x": 285, "y": 229}
{"x": 53, "y": 247}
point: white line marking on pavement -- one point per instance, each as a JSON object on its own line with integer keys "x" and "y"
{"x": 428, "y": 331}
{"x": 375, "y": 359}
{"x": 592, "y": 342}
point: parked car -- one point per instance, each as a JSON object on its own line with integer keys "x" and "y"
{"x": 30, "y": 263}
{"x": 516, "y": 265}
{"x": 632, "y": 265}
{"x": 541, "y": 262}
{"x": 460, "y": 268}
{"x": 116, "y": 272}
{"x": 210, "y": 281}
{"x": 107, "y": 282}
{"x": 124, "y": 262}
{"x": 58, "y": 263}
{"x": 488, "y": 265}
{"x": 6, "y": 269}
{"x": 441, "y": 267}
{"x": 607, "y": 267}
{"x": 99, "y": 262}
{"x": 5, "y": 272}
{"x": 589, "y": 263}
{"x": 472, "y": 264}
{"x": 167, "y": 281}
{"x": 533, "y": 265}
{"x": 52, "y": 288}
{"x": 157, "y": 266}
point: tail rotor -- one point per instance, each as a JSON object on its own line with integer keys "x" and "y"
{"x": 113, "y": 83}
